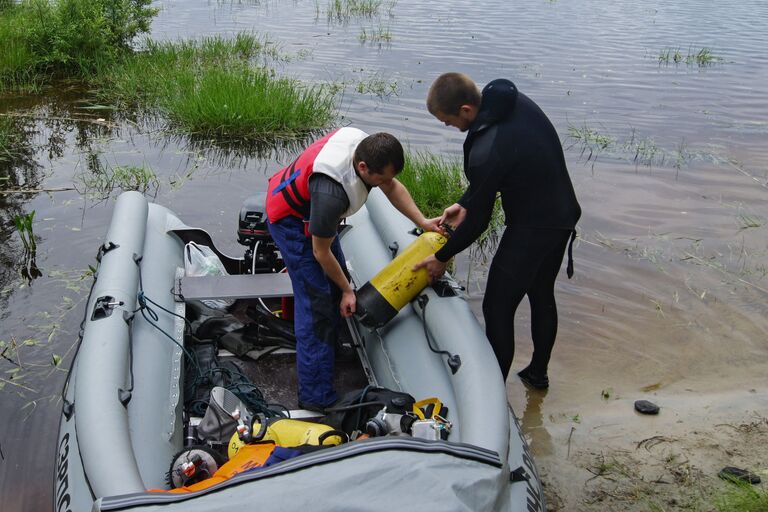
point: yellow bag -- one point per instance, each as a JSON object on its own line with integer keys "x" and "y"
{"x": 289, "y": 433}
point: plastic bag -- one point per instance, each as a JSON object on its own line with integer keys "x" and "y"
{"x": 200, "y": 260}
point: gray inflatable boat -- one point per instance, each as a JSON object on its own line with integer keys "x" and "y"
{"x": 124, "y": 417}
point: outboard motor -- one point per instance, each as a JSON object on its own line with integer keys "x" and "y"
{"x": 261, "y": 255}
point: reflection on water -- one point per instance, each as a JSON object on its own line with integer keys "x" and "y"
{"x": 671, "y": 267}
{"x": 532, "y": 421}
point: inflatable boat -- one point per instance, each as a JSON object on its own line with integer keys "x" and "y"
{"x": 129, "y": 426}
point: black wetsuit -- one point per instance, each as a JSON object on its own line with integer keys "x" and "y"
{"x": 512, "y": 148}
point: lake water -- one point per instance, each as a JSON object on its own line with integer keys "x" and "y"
{"x": 669, "y": 296}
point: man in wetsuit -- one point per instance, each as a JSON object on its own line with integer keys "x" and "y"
{"x": 511, "y": 148}
{"x": 306, "y": 201}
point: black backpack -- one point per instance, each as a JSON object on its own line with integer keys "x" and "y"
{"x": 355, "y": 408}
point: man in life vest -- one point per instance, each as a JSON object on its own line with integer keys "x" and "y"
{"x": 306, "y": 201}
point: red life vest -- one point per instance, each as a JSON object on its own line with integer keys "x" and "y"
{"x": 288, "y": 190}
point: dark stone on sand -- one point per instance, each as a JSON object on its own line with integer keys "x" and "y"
{"x": 646, "y": 407}
{"x": 738, "y": 474}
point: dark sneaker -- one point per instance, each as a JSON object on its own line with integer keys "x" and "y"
{"x": 534, "y": 381}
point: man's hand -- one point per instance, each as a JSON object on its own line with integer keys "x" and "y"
{"x": 432, "y": 225}
{"x": 348, "y": 303}
{"x": 453, "y": 215}
{"x": 435, "y": 268}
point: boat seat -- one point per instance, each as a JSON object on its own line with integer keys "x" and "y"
{"x": 239, "y": 286}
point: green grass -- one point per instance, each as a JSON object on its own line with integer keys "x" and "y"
{"x": 101, "y": 182}
{"x": 375, "y": 35}
{"x": 345, "y": 9}
{"x": 47, "y": 39}
{"x": 435, "y": 183}
{"x": 742, "y": 497}
{"x": 701, "y": 58}
{"x": 215, "y": 87}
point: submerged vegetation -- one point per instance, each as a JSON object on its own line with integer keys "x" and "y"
{"x": 642, "y": 151}
{"x": 343, "y": 10}
{"x": 702, "y": 57}
{"x": 101, "y": 183}
{"x": 375, "y": 35}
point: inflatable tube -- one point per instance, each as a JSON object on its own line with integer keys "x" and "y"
{"x": 102, "y": 419}
{"x": 478, "y": 387}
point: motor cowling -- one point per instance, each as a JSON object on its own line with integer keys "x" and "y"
{"x": 261, "y": 255}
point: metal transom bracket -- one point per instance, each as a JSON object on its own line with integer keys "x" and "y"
{"x": 234, "y": 287}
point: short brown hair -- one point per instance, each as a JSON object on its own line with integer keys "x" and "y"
{"x": 450, "y": 91}
{"x": 378, "y": 151}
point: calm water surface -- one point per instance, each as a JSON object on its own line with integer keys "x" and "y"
{"x": 670, "y": 287}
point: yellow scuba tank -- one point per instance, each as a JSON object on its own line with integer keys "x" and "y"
{"x": 288, "y": 433}
{"x": 379, "y": 300}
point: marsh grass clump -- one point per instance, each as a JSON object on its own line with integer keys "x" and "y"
{"x": 590, "y": 140}
{"x": 435, "y": 183}
{"x": 377, "y": 35}
{"x": 216, "y": 87}
{"x": 248, "y": 104}
{"x": 343, "y": 10}
{"x": 701, "y": 58}
{"x": 102, "y": 182}
{"x": 378, "y": 86}
{"x": 42, "y": 40}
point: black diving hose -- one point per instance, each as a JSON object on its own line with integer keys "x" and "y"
{"x": 453, "y": 360}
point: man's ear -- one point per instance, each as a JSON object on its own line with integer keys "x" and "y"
{"x": 362, "y": 167}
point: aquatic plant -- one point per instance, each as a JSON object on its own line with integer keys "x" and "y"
{"x": 378, "y": 86}
{"x": 45, "y": 39}
{"x": 344, "y": 9}
{"x": 23, "y": 223}
{"x": 101, "y": 182}
{"x": 375, "y": 35}
{"x": 702, "y": 57}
